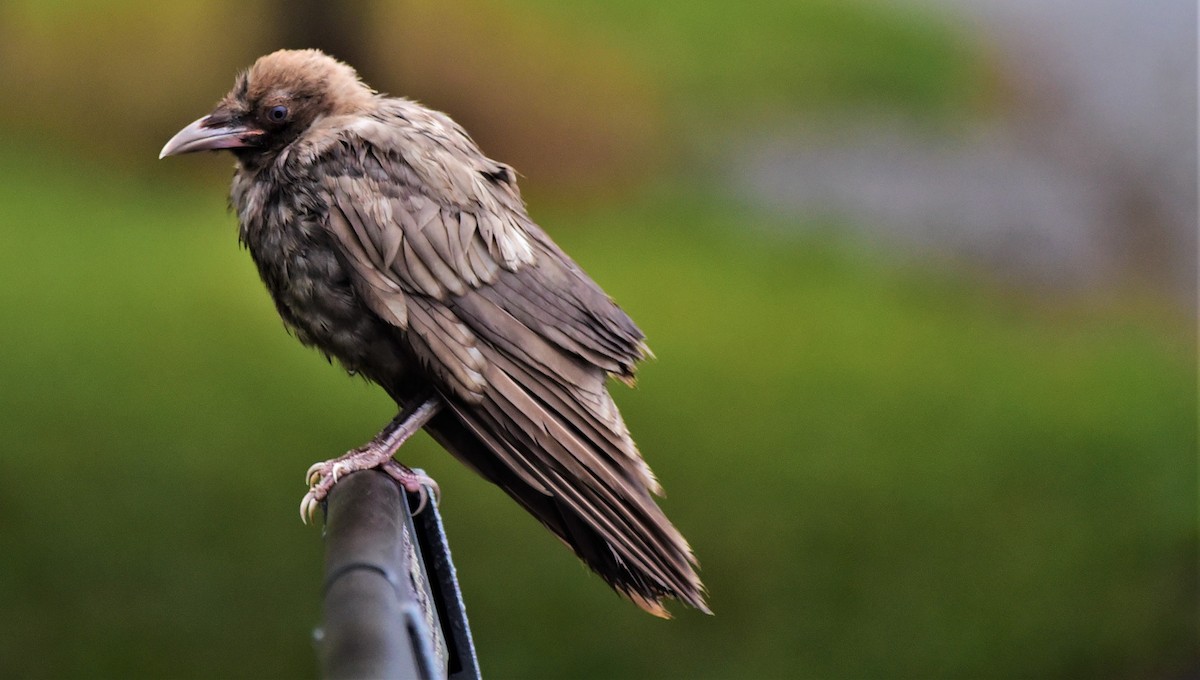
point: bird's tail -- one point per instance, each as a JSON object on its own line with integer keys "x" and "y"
{"x": 629, "y": 543}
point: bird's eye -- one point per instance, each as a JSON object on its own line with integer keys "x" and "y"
{"x": 277, "y": 114}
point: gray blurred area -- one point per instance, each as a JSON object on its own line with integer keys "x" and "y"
{"x": 1084, "y": 176}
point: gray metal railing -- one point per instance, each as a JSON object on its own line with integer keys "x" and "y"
{"x": 392, "y": 605}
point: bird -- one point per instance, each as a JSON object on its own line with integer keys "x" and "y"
{"x": 391, "y": 243}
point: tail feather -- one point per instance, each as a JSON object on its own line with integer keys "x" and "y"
{"x": 640, "y": 555}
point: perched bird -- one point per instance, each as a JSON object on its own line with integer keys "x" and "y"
{"x": 390, "y": 242}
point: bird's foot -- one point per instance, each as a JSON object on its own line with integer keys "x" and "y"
{"x": 322, "y": 476}
{"x": 377, "y": 454}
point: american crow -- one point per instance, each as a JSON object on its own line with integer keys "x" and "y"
{"x": 391, "y": 243}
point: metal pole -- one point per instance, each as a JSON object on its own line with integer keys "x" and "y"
{"x": 384, "y": 602}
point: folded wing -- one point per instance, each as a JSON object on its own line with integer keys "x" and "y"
{"x": 516, "y": 338}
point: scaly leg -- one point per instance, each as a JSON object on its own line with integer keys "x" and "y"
{"x": 377, "y": 453}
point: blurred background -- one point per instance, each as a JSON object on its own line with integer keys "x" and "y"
{"x": 919, "y": 274}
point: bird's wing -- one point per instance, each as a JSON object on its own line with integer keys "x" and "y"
{"x": 433, "y": 214}
{"x": 510, "y": 329}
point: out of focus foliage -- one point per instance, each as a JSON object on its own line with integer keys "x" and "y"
{"x": 572, "y": 94}
{"x": 887, "y": 471}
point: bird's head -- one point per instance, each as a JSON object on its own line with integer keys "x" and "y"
{"x": 274, "y": 102}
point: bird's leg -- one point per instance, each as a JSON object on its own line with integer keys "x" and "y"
{"x": 376, "y": 453}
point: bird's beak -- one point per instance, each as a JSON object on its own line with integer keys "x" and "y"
{"x": 209, "y": 134}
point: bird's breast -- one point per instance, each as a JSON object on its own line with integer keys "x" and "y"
{"x": 297, "y": 259}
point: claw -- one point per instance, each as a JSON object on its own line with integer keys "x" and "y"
{"x": 314, "y": 473}
{"x": 339, "y": 468}
{"x": 308, "y": 507}
{"x": 423, "y": 498}
{"x": 423, "y": 491}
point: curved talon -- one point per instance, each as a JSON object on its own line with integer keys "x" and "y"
{"x": 423, "y": 492}
{"x": 314, "y": 473}
{"x": 308, "y": 506}
{"x": 423, "y": 499}
{"x": 340, "y": 468}
{"x": 429, "y": 484}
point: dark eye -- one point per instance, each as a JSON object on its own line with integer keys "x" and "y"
{"x": 277, "y": 114}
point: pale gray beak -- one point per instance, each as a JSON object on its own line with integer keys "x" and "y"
{"x": 208, "y": 135}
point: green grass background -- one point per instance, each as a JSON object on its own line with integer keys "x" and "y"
{"x": 887, "y": 470}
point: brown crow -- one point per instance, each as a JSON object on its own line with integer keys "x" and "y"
{"x": 391, "y": 243}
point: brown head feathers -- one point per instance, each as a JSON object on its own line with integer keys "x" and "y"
{"x": 329, "y": 86}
